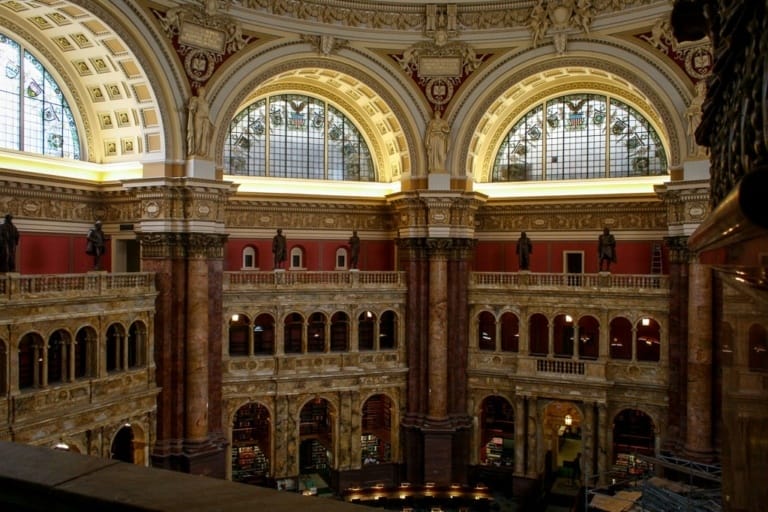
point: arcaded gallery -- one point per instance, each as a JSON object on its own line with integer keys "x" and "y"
{"x": 466, "y": 256}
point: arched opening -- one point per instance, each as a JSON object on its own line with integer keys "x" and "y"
{"x": 510, "y": 332}
{"x": 388, "y": 330}
{"x": 497, "y": 432}
{"x": 648, "y": 340}
{"x": 563, "y": 423}
{"x": 239, "y": 333}
{"x": 297, "y": 258}
{"x": 589, "y": 337}
{"x": 366, "y": 324}
{"x": 316, "y": 445}
{"x": 621, "y": 338}
{"x": 538, "y": 335}
{"x": 563, "y": 336}
{"x": 376, "y": 439}
{"x": 294, "y": 330}
{"x": 251, "y": 444}
{"x": 316, "y": 333}
{"x": 264, "y": 334}
{"x": 250, "y": 258}
{"x": 486, "y": 331}
{"x": 58, "y": 356}
{"x": 137, "y": 345}
{"x": 122, "y": 445}
{"x": 30, "y": 361}
{"x": 85, "y": 353}
{"x": 633, "y": 433}
{"x": 339, "y": 332}
{"x": 115, "y": 353}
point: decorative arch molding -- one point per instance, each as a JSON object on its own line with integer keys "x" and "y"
{"x": 153, "y": 66}
{"x": 491, "y": 106}
{"x": 385, "y": 123}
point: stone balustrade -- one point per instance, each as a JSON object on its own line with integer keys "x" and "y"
{"x": 18, "y": 287}
{"x": 604, "y": 281}
{"x": 234, "y": 281}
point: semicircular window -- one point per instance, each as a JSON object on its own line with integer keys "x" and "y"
{"x": 296, "y": 136}
{"x": 580, "y": 136}
{"x": 36, "y": 116}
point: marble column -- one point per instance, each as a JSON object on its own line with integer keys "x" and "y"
{"x": 196, "y": 352}
{"x": 603, "y": 449}
{"x": 520, "y": 436}
{"x": 698, "y": 439}
{"x": 533, "y": 432}
{"x": 438, "y": 337}
{"x": 588, "y": 449}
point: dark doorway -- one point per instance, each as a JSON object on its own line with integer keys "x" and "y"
{"x": 574, "y": 264}
{"x": 122, "y": 445}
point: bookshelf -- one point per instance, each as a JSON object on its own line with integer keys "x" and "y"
{"x": 250, "y": 443}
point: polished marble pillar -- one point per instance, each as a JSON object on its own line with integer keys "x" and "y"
{"x": 698, "y": 440}
{"x": 438, "y": 343}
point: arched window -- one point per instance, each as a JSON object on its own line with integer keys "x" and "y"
{"x": 580, "y": 136}
{"x": 296, "y": 136}
{"x": 35, "y": 116}
{"x": 249, "y": 258}
{"x": 486, "y": 331}
{"x": 341, "y": 258}
{"x": 297, "y": 258}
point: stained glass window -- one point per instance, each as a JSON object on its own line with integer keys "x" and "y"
{"x": 296, "y": 136}
{"x": 580, "y": 136}
{"x": 36, "y": 116}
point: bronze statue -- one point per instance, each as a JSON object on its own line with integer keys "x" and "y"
{"x": 278, "y": 248}
{"x": 524, "y": 250}
{"x": 9, "y": 240}
{"x": 354, "y": 249}
{"x": 606, "y": 249}
{"x": 96, "y": 244}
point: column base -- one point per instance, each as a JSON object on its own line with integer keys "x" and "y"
{"x": 198, "y": 458}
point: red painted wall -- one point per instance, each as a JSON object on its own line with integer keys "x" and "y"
{"x": 40, "y": 253}
{"x": 633, "y": 257}
{"x": 318, "y": 254}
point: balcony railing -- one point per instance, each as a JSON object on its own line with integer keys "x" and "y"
{"x": 588, "y": 281}
{"x": 45, "y": 286}
{"x": 312, "y": 279}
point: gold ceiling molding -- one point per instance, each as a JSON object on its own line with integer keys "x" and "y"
{"x": 491, "y": 15}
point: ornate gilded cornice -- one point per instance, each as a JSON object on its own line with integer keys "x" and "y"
{"x": 650, "y": 215}
{"x": 413, "y": 16}
{"x": 182, "y": 245}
